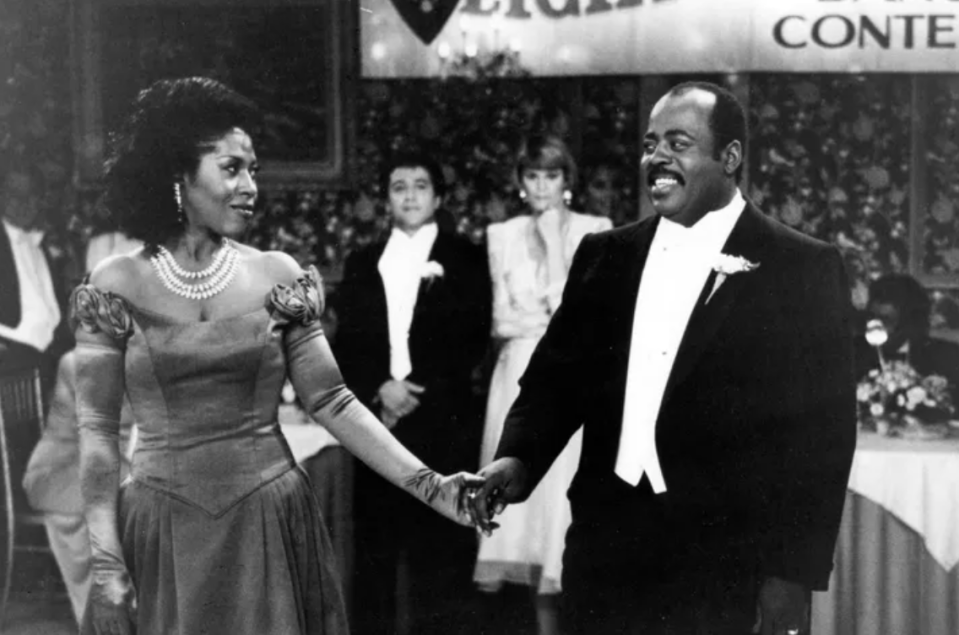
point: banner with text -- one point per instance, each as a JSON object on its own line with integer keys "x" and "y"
{"x": 605, "y": 37}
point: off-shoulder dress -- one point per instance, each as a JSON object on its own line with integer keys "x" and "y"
{"x": 219, "y": 527}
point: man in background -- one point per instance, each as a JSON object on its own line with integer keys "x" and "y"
{"x": 414, "y": 320}
{"x": 32, "y": 334}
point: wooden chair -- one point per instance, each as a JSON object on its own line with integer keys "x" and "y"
{"x": 21, "y": 424}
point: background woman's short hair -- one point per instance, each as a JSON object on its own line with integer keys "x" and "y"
{"x": 546, "y": 152}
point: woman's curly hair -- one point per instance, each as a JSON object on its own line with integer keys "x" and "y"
{"x": 171, "y": 125}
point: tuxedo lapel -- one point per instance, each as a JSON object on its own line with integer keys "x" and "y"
{"x": 378, "y": 311}
{"x": 441, "y": 253}
{"x": 56, "y": 275}
{"x": 745, "y": 240}
{"x": 9, "y": 283}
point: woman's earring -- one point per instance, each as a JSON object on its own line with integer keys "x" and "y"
{"x": 522, "y": 195}
{"x": 180, "y": 214}
{"x": 567, "y": 197}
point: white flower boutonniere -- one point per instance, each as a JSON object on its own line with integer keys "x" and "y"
{"x": 432, "y": 270}
{"x": 728, "y": 265}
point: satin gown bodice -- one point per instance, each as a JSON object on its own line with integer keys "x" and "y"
{"x": 205, "y": 397}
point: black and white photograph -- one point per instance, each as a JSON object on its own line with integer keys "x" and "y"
{"x": 479, "y": 317}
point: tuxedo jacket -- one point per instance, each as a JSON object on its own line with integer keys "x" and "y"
{"x": 757, "y": 426}
{"x": 448, "y": 336}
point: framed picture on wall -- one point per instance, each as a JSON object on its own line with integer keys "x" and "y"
{"x": 295, "y": 58}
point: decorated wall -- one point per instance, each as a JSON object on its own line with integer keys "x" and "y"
{"x": 831, "y": 155}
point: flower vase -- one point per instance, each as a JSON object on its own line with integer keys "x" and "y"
{"x": 890, "y": 423}
{"x": 884, "y": 425}
{"x": 910, "y": 421}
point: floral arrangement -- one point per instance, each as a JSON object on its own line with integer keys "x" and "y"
{"x": 897, "y": 392}
{"x": 896, "y": 395}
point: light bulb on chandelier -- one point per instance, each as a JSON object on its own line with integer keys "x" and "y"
{"x": 480, "y": 54}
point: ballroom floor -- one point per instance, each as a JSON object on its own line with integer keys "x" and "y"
{"x": 48, "y": 613}
{"x": 27, "y": 616}
{"x": 38, "y": 605}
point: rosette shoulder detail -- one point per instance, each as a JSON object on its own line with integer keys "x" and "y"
{"x": 302, "y": 303}
{"x": 97, "y": 311}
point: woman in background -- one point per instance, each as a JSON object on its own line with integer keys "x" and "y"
{"x": 604, "y": 192}
{"x": 216, "y": 530}
{"x": 529, "y": 258}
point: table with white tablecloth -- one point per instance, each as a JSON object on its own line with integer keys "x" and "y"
{"x": 896, "y": 560}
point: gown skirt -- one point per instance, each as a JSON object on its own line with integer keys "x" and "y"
{"x": 253, "y": 550}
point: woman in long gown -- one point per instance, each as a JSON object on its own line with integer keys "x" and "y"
{"x": 529, "y": 259}
{"x": 216, "y": 530}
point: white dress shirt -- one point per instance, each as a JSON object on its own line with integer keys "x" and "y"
{"x": 402, "y": 266}
{"x": 679, "y": 262}
{"x": 39, "y": 311}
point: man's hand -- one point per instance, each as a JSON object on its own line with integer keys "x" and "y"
{"x": 398, "y": 397}
{"x": 505, "y": 484}
{"x": 448, "y": 495}
{"x": 783, "y": 608}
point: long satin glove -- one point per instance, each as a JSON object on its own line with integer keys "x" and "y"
{"x": 100, "y": 386}
{"x": 319, "y": 385}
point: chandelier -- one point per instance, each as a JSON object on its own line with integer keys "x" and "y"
{"x": 481, "y": 54}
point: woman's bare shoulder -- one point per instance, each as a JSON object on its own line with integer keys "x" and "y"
{"x": 277, "y": 267}
{"x": 121, "y": 274}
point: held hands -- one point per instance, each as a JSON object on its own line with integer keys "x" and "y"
{"x": 505, "y": 483}
{"x": 399, "y": 399}
{"x": 783, "y": 608}
{"x": 446, "y": 494}
{"x": 113, "y": 602}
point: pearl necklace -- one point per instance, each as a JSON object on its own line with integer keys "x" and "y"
{"x": 220, "y": 273}
{"x": 193, "y": 275}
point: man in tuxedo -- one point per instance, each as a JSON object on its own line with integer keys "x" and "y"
{"x": 903, "y": 306}
{"x": 414, "y": 321}
{"x": 706, "y": 353}
{"x": 32, "y": 334}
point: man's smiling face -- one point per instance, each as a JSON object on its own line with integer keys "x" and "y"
{"x": 684, "y": 175}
